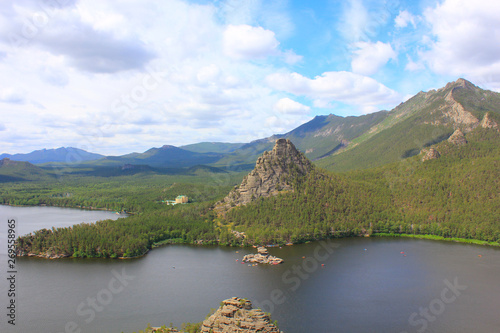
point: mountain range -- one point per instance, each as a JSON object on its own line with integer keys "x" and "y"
{"x": 334, "y": 143}
{"x": 63, "y": 155}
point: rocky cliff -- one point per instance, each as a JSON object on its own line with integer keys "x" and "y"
{"x": 274, "y": 172}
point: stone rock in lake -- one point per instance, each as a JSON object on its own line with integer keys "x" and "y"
{"x": 262, "y": 257}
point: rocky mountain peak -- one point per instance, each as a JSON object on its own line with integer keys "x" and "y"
{"x": 459, "y": 83}
{"x": 237, "y": 315}
{"x": 274, "y": 172}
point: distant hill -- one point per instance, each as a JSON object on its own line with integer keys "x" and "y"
{"x": 164, "y": 157}
{"x": 62, "y": 155}
{"x": 212, "y": 147}
{"x": 20, "y": 171}
{"x": 318, "y": 138}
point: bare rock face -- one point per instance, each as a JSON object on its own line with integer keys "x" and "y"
{"x": 487, "y": 122}
{"x": 457, "y": 138}
{"x": 457, "y": 113}
{"x": 274, "y": 172}
{"x": 430, "y": 154}
{"x": 237, "y": 315}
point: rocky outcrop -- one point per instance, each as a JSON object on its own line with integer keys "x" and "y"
{"x": 430, "y": 154}
{"x": 237, "y": 315}
{"x": 457, "y": 138}
{"x": 488, "y": 122}
{"x": 274, "y": 172}
{"x": 262, "y": 257}
{"x": 456, "y": 112}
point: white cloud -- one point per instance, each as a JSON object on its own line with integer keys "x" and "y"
{"x": 247, "y": 42}
{"x": 342, "y": 87}
{"x": 90, "y": 68}
{"x": 355, "y": 22}
{"x": 465, "y": 40}
{"x": 273, "y": 15}
{"x": 12, "y": 96}
{"x": 208, "y": 74}
{"x": 413, "y": 66}
{"x": 289, "y": 106}
{"x": 370, "y": 57}
{"x": 404, "y": 18}
{"x": 54, "y": 76}
{"x": 291, "y": 58}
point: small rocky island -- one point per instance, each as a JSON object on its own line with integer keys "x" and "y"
{"x": 234, "y": 315}
{"x": 262, "y": 257}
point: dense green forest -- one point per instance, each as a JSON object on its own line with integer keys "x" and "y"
{"x": 455, "y": 195}
{"x": 151, "y": 221}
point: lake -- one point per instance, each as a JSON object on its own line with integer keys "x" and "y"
{"x": 345, "y": 285}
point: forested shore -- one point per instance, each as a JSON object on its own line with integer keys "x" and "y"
{"x": 455, "y": 196}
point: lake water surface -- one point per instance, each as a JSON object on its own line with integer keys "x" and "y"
{"x": 365, "y": 285}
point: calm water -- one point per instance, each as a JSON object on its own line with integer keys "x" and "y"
{"x": 365, "y": 285}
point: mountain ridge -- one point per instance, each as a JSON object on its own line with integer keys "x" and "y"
{"x": 61, "y": 154}
{"x": 341, "y": 143}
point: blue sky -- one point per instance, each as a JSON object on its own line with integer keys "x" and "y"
{"x": 114, "y": 77}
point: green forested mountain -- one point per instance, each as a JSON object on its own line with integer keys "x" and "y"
{"x": 13, "y": 171}
{"x": 455, "y": 195}
{"x": 422, "y": 121}
{"x": 320, "y": 137}
{"x": 347, "y": 143}
{"x": 165, "y": 157}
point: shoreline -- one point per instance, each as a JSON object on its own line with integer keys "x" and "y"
{"x": 71, "y": 207}
{"x": 378, "y": 235}
{"x": 201, "y": 242}
{"x": 439, "y": 238}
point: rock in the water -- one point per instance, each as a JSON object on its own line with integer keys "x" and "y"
{"x": 274, "y": 172}
{"x": 262, "y": 257}
{"x": 237, "y": 315}
{"x": 457, "y": 138}
{"x": 262, "y": 250}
